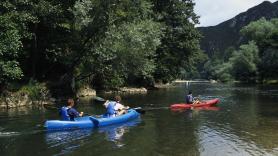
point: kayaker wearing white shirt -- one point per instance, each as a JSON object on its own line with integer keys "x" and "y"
{"x": 115, "y": 108}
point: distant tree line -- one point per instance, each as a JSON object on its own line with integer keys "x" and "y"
{"x": 103, "y": 43}
{"x": 255, "y": 61}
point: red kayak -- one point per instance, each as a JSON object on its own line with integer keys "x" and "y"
{"x": 205, "y": 103}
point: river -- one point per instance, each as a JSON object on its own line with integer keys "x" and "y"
{"x": 245, "y": 123}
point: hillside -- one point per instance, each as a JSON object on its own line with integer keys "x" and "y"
{"x": 226, "y": 34}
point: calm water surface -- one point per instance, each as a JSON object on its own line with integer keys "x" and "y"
{"x": 245, "y": 124}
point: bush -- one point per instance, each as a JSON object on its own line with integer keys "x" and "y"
{"x": 35, "y": 90}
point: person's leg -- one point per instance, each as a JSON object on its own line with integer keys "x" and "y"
{"x": 196, "y": 102}
{"x": 121, "y": 112}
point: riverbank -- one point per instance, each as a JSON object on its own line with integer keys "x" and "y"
{"x": 39, "y": 95}
{"x": 30, "y": 94}
{"x": 19, "y": 99}
{"x": 127, "y": 90}
{"x": 195, "y": 81}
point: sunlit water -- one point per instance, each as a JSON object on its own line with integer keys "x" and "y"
{"x": 245, "y": 123}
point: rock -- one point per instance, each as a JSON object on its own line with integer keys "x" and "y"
{"x": 133, "y": 90}
{"x": 86, "y": 91}
{"x": 128, "y": 90}
{"x": 15, "y": 100}
{"x": 161, "y": 85}
{"x": 19, "y": 99}
{"x": 3, "y": 103}
{"x": 212, "y": 81}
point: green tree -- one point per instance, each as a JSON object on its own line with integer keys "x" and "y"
{"x": 264, "y": 33}
{"x": 269, "y": 64}
{"x": 126, "y": 55}
{"x": 124, "y": 52}
{"x": 105, "y": 43}
{"x": 10, "y": 48}
{"x": 13, "y": 34}
{"x": 218, "y": 70}
{"x": 244, "y": 62}
{"x": 181, "y": 38}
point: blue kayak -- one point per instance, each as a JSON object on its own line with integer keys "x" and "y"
{"x": 99, "y": 122}
{"x": 90, "y": 121}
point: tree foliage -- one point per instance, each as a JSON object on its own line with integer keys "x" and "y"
{"x": 10, "y": 48}
{"x": 244, "y": 62}
{"x": 107, "y": 44}
{"x": 181, "y": 40}
{"x": 253, "y": 62}
{"x": 126, "y": 55}
{"x": 265, "y": 34}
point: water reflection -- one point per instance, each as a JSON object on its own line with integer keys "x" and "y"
{"x": 69, "y": 140}
{"x": 115, "y": 133}
{"x": 66, "y": 142}
{"x": 194, "y": 112}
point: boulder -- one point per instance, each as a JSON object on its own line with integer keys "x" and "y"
{"x": 86, "y": 91}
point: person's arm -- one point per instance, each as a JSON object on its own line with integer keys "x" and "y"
{"x": 106, "y": 103}
{"x": 81, "y": 113}
{"x": 122, "y": 107}
{"x": 75, "y": 113}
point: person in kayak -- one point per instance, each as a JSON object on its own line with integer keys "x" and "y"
{"x": 115, "y": 108}
{"x": 68, "y": 112}
{"x": 189, "y": 99}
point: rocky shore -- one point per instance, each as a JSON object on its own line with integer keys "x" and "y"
{"x": 20, "y": 99}
{"x": 129, "y": 90}
{"x": 13, "y": 100}
{"x": 86, "y": 91}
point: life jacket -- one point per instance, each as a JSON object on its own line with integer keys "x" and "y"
{"x": 64, "y": 114}
{"x": 110, "y": 111}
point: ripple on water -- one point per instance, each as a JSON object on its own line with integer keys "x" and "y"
{"x": 58, "y": 138}
{"x": 8, "y": 134}
{"x": 223, "y": 142}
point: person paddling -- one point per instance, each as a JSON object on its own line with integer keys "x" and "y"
{"x": 190, "y": 99}
{"x": 68, "y": 112}
{"x": 115, "y": 108}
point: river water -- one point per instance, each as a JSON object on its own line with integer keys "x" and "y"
{"x": 245, "y": 122}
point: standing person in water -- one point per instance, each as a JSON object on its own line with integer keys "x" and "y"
{"x": 115, "y": 108}
{"x": 68, "y": 112}
{"x": 189, "y": 99}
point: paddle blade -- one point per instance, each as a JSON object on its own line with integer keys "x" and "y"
{"x": 139, "y": 110}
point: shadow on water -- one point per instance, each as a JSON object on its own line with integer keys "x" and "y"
{"x": 66, "y": 142}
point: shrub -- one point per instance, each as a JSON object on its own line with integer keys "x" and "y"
{"x": 35, "y": 90}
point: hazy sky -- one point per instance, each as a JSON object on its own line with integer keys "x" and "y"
{"x": 213, "y": 12}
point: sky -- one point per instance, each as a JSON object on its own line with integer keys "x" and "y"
{"x": 213, "y": 12}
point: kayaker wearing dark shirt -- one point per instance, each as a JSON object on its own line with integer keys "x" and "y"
{"x": 189, "y": 98}
{"x": 68, "y": 112}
